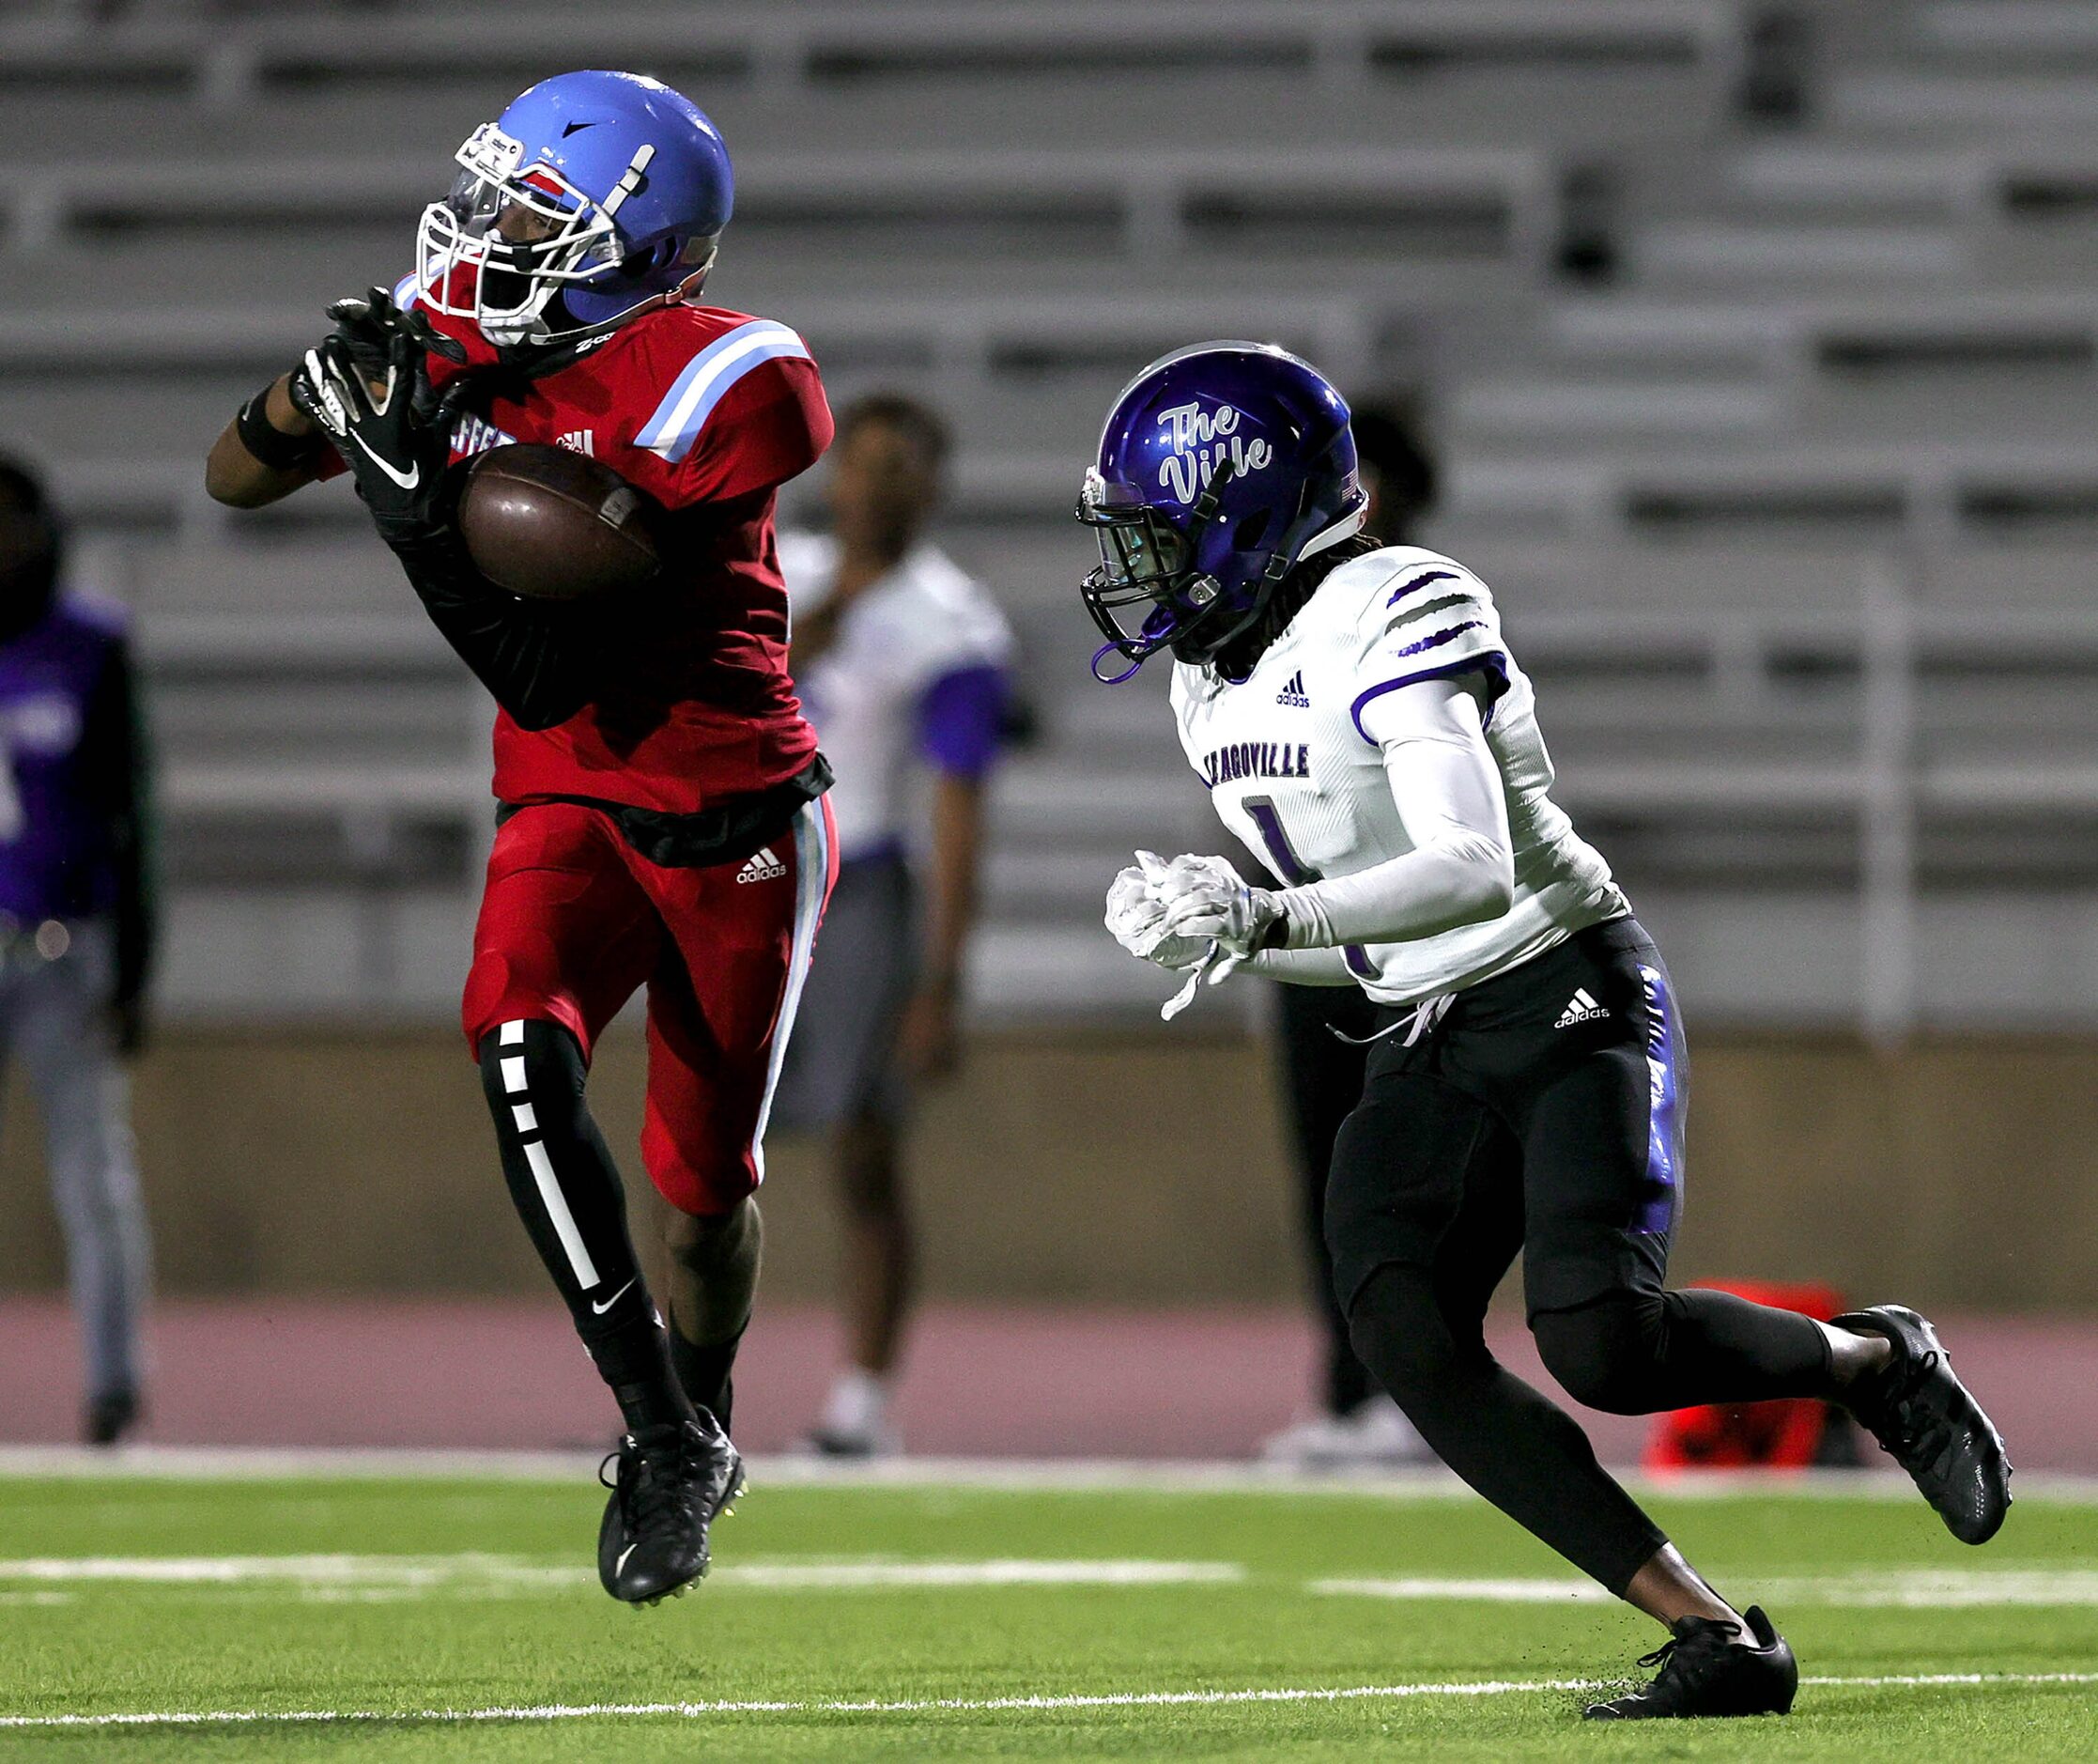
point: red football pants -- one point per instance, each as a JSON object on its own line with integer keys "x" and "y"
{"x": 574, "y": 920}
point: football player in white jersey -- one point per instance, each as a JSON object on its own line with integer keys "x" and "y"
{"x": 1358, "y": 718}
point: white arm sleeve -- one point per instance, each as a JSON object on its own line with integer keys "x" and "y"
{"x": 1446, "y": 784}
{"x": 1305, "y": 967}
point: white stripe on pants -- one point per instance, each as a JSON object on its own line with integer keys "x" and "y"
{"x": 812, "y": 873}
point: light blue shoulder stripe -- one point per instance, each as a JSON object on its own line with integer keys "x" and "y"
{"x": 652, "y": 433}
{"x": 404, "y": 291}
{"x": 675, "y": 427}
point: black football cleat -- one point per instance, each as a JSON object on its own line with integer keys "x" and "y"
{"x": 1711, "y": 1669}
{"x": 1925, "y": 1420}
{"x": 108, "y": 1416}
{"x": 671, "y": 1484}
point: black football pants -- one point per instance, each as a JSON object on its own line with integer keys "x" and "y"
{"x": 1544, "y": 1114}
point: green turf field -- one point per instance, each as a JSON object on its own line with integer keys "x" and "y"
{"x": 920, "y": 1621}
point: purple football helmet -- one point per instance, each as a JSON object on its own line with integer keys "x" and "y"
{"x": 620, "y": 188}
{"x": 1221, "y": 467}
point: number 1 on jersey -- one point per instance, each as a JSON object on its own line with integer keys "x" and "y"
{"x": 1294, "y": 874}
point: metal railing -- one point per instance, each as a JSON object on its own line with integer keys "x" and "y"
{"x": 1871, "y": 760}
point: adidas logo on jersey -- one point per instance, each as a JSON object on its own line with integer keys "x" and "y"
{"x": 1293, "y": 694}
{"x": 1580, "y": 1008}
{"x": 580, "y": 441}
{"x": 761, "y": 866}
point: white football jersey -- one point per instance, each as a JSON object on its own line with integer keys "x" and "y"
{"x": 1292, "y": 773}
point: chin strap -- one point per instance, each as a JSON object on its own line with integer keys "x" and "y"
{"x": 1204, "y": 506}
{"x": 1127, "y": 674}
{"x": 1273, "y": 575}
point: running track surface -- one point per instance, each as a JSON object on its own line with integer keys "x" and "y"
{"x": 1019, "y": 1382}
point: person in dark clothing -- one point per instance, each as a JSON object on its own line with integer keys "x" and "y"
{"x": 77, "y": 923}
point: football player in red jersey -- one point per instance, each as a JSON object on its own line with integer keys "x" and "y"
{"x": 661, "y": 813}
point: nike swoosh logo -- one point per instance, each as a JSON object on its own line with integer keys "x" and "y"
{"x": 620, "y": 1567}
{"x": 571, "y": 129}
{"x": 414, "y": 474}
{"x": 599, "y": 1310}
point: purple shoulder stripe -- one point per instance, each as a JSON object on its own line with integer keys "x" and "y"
{"x": 1400, "y": 593}
{"x": 1493, "y": 665}
{"x": 1436, "y": 642}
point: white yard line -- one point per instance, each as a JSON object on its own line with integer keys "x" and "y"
{"x": 854, "y": 1576}
{"x": 1118, "y": 1700}
{"x": 481, "y": 1574}
{"x": 1009, "y": 1475}
{"x": 473, "y": 1571}
{"x": 303, "y": 1571}
{"x": 1920, "y": 1589}
{"x": 1407, "y": 1589}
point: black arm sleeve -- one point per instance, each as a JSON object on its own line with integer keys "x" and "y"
{"x": 538, "y": 657}
{"x": 117, "y": 773}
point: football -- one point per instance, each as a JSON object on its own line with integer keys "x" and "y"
{"x": 550, "y": 524}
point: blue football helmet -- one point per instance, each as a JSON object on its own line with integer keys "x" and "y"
{"x": 593, "y": 199}
{"x": 1221, "y": 467}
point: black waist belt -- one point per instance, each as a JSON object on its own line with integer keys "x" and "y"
{"x": 725, "y": 832}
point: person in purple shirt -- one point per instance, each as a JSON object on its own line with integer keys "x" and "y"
{"x": 77, "y": 923}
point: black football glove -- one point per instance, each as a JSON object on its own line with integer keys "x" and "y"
{"x": 391, "y": 436}
{"x": 368, "y": 387}
{"x": 368, "y": 325}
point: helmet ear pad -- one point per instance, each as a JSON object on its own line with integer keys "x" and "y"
{"x": 1205, "y": 639}
{"x": 673, "y": 270}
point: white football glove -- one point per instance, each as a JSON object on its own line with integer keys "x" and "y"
{"x": 1204, "y": 898}
{"x": 1135, "y": 916}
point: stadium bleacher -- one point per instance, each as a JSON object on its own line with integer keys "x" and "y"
{"x": 1790, "y": 502}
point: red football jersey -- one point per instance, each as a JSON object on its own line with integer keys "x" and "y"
{"x": 709, "y": 411}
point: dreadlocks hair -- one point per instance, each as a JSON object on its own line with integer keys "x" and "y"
{"x": 1237, "y": 659}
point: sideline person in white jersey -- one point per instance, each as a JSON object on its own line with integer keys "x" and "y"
{"x": 902, "y": 662}
{"x": 1357, "y": 716}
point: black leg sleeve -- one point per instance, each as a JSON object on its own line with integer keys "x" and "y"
{"x": 1639, "y": 1353}
{"x": 536, "y": 658}
{"x": 567, "y": 1191}
{"x": 704, "y": 1373}
{"x": 1518, "y": 1449}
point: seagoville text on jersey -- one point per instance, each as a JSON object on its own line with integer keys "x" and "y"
{"x": 1257, "y": 759}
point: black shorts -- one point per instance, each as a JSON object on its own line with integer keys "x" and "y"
{"x": 1543, "y": 1113}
